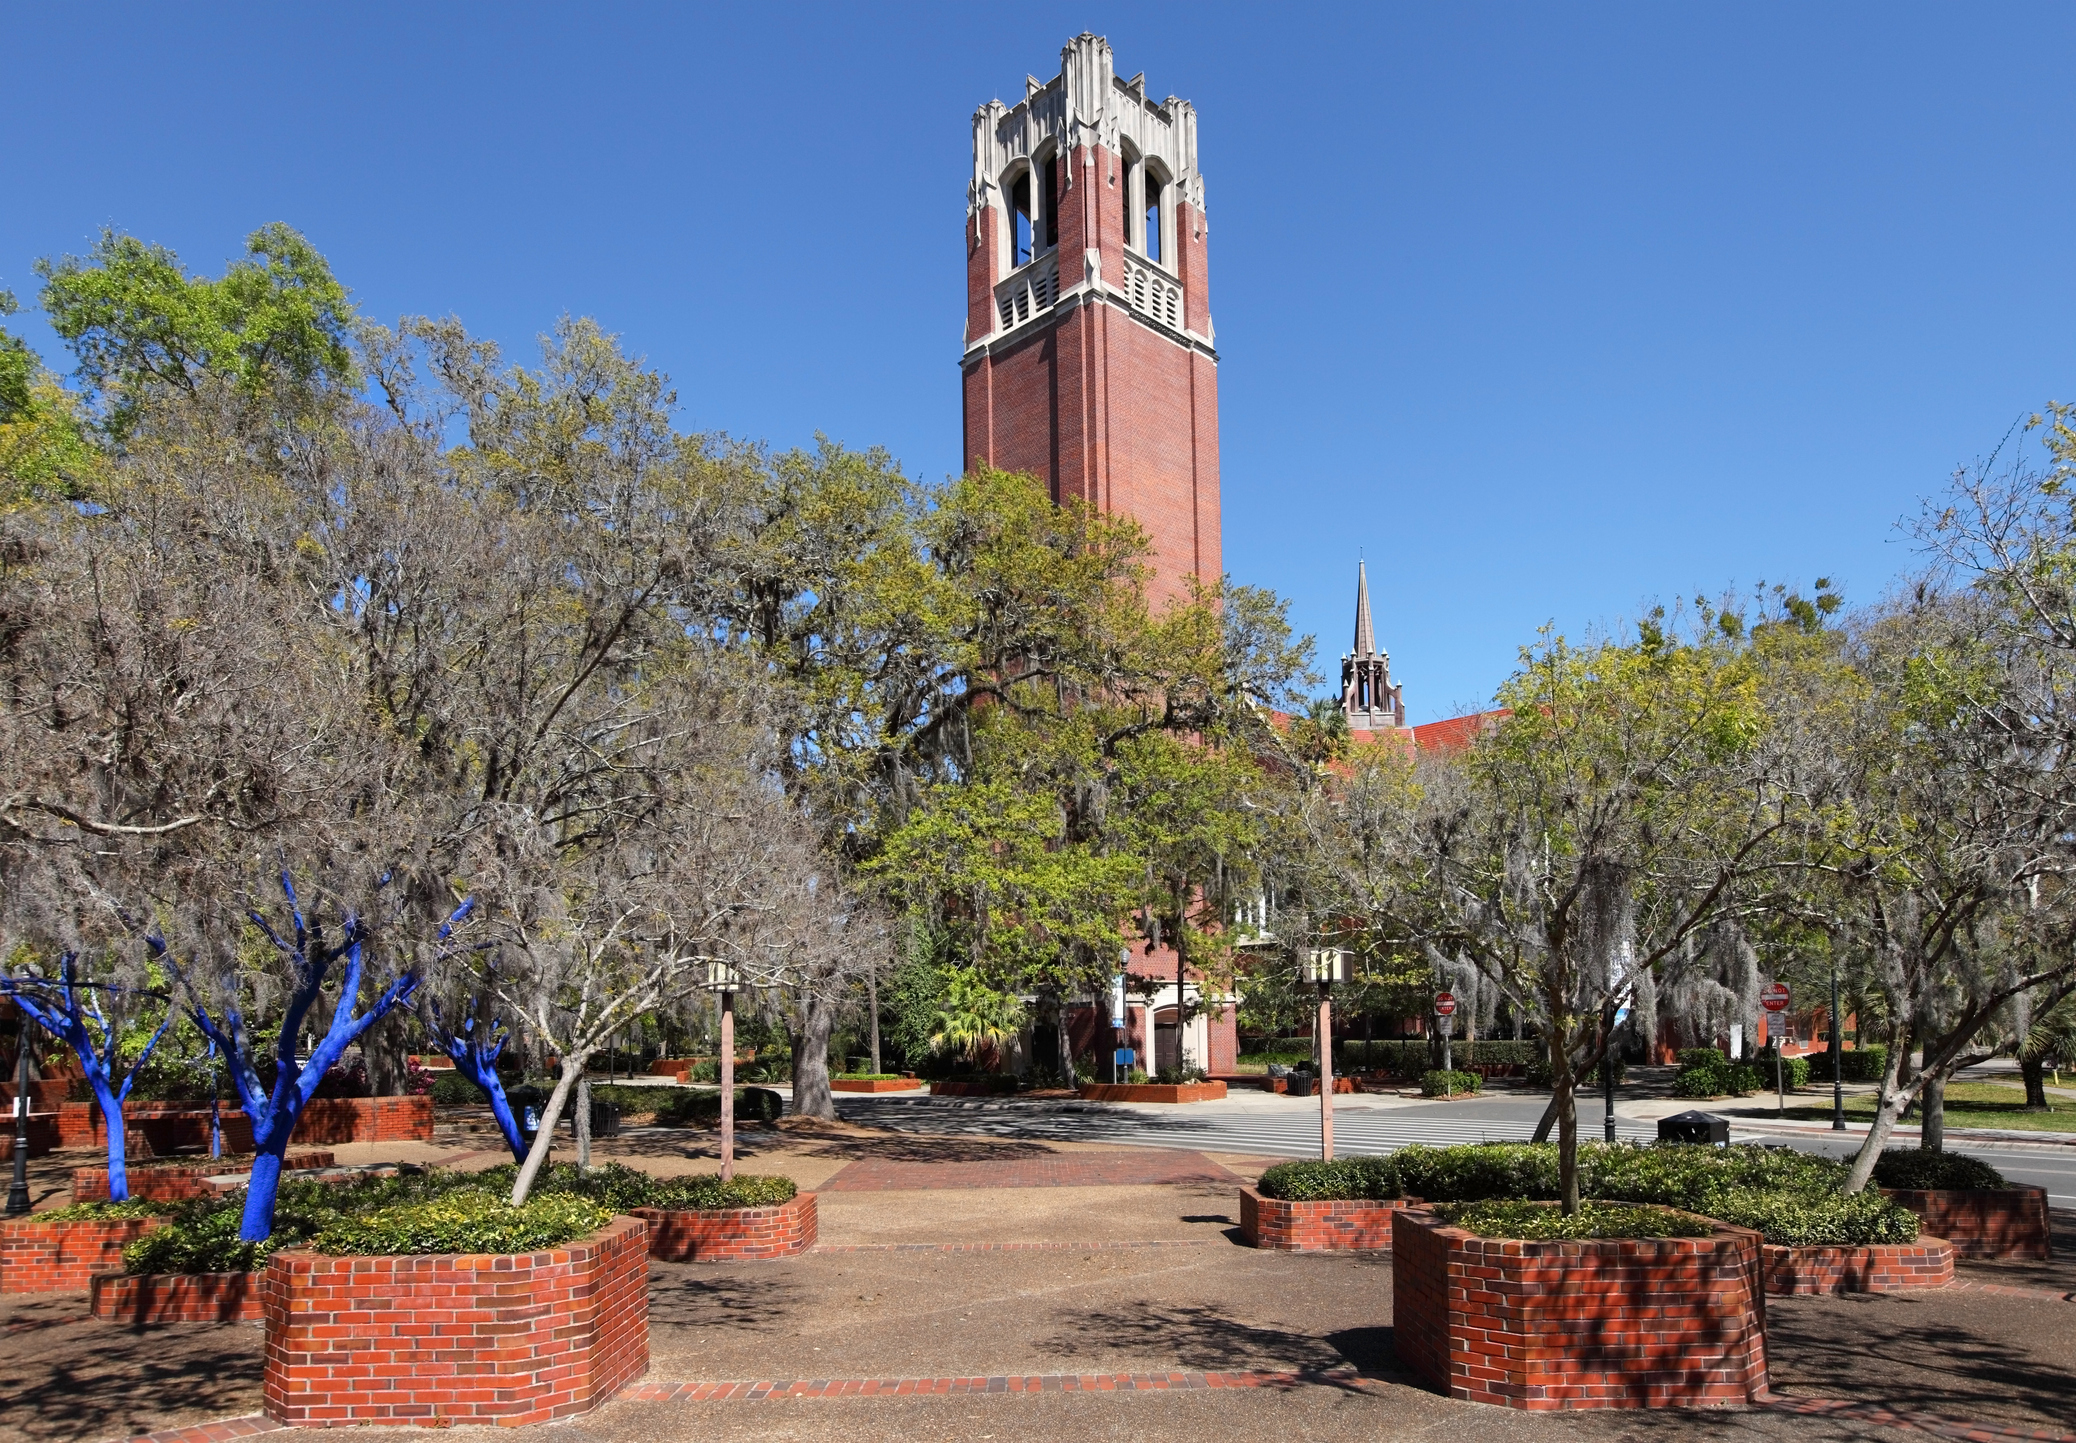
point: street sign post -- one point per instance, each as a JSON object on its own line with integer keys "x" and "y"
{"x": 1445, "y": 1007}
{"x": 1774, "y": 998}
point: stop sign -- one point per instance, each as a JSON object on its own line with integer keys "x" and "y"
{"x": 1774, "y": 997}
{"x": 1444, "y": 1004}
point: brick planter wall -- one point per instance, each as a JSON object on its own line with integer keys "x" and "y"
{"x": 732, "y": 1235}
{"x": 1152, "y": 1091}
{"x": 63, "y": 1257}
{"x": 1608, "y": 1323}
{"x": 876, "y": 1084}
{"x": 457, "y": 1338}
{"x": 154, "y": 1128}
{"x": 177, "y": 1183}
{"x": 2005, "y": 1222}
{"x": 147, "y": 1298}
{"x": 365, "y": 1119}
{"x": 1305, "y": 1227}
{"x": 43, "y": 1136}
{"x": 1879, "y": 1268}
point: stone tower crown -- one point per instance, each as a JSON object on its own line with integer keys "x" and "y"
{"x": 1089, "y": 357}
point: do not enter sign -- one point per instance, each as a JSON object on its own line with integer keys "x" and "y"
{"x": 1444, "y": 1003}
{"x": 1774, "y": 997}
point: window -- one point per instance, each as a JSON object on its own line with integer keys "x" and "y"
{"x": 1052, "y": 200}
{"x": 1020, "y": 219}
{"x": 1154, "y": 191}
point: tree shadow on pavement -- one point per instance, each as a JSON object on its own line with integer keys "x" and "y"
{"x": 1960, "y": 1355}
{"x": 1198, "y": 1338}
{"x": 694, "y": 1295}
{"x": 63, "y": 1377}
{"x": 898, "y": 1148}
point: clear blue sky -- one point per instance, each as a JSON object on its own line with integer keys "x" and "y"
{"x": 1554, "y": 310}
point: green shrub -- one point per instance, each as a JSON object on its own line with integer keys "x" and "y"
{"x": 703, "y": 1191}
{"x": 1447, "y": 1084}
{"x": 1865, "y": 1063}
{"x": 1478, "y": 1171}
{"x": 451, "y": 1089}
{"x": 868, "y": 1076}
{"x": 464, "y": 1221}
{"x": 135, "y": 1207}
{"x": 1343, "y": 1178}
{"x": 1800, "y": 1220}
{"x": 1541, "y": 1221}
{"x": 1706, "y": 1072}
{"x": 1794, "y": 1071}
{"x": 205, "y": 1243}
{"x": 1915, "y": 1167}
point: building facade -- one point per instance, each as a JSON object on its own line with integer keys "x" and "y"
{"x": 1089, "y": 357}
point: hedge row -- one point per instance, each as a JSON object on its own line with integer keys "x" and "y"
{"x": 1914, "y": 1167}
{"x": 1793, "y": 1198}
{"x": 1542, "y": 1222}
{"x": 432, "y": 1212}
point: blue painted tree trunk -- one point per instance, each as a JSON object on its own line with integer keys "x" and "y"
{"x": 274, "y": 1113}
{"x": 476, "y": 1059}
{"x": 61, "y": 1010}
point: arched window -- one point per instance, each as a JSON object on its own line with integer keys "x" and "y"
{"x": 1052, "y": 199}
{"x": 1156, "y": 192}
{"x": 1020, "y": 218}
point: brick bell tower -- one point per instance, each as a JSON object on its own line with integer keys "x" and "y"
{"x": 1089, "y": 358}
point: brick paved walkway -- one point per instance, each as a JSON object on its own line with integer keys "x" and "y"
{"x": 1117, "y": 1167}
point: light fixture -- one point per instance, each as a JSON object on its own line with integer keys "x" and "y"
{"x": 1326, "y": 965}
{"x": 721, "y": 977}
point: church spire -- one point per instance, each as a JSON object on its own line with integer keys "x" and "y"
{"x": 1365, "y": 635}
{"x": 1368, "y": 699}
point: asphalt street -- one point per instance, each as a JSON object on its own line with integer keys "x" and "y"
{"x": 1289, "y": 1127}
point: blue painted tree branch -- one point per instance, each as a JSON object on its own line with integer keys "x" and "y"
{"x": 476, "y": 1059}
{"x": 274, "y": 1111}
{"x": 59, "y": 1011}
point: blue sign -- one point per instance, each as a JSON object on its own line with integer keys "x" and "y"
{"x": 1126, "y": 1056}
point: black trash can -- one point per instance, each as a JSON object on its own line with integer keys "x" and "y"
{"x": 1695, "y": 1126}
{"x": 526, "y": 1104}
{"x": 605, "y": 1119}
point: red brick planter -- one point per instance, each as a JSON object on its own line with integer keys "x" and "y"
{"x": 732, "y": 1235}
{"x": 1306, "y": 1227}
{"x": 2005, "y": 1222}
{"x": 1609, "y": 1323}
{"x": 1152, "y": 1091}
{"x": 43, "y": 1136}
{"x": 457, "y": 1338}
{"x": 63, "y": 1257}
{"x": 1878, "y": 1268}
{"x": 154, "y": 1128}
{"x": 874, "y": 1084}
{"x": 177, "y": 1183}
{"x": 175, "y": 1297}
{"x": 365, "y": 1119}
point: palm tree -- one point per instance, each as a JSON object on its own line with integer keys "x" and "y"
{"x": 974, "y": 1016}
{"x": 2050, "y": 1041}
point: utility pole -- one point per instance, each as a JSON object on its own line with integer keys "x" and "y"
{"x": 1837, "y": 1061}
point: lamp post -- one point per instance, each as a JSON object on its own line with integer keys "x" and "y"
{"x": 1326, "y": 966}
{"x": 18, "y": 1189}
{"x": 1607, "y": 1070}
{"x": 721, "y": 977}
{"x": 1837, "y": 1062}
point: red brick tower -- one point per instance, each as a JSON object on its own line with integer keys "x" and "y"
{"x": 1089, "y": 355}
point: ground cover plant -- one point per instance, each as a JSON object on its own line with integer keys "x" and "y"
{"x": 435, "y": 1211}
{"x": 1795, "y": 1199}
{"x": 1343, "y": 1178}
{"x": 1916, "y": 1167}
{"x": 1545, "y": 1222}
{"x": 1449, "y": 1084}
{"x": 135, "y": 1207}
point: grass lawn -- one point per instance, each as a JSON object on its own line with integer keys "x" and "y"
{"x": 1968, "y": 1104}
